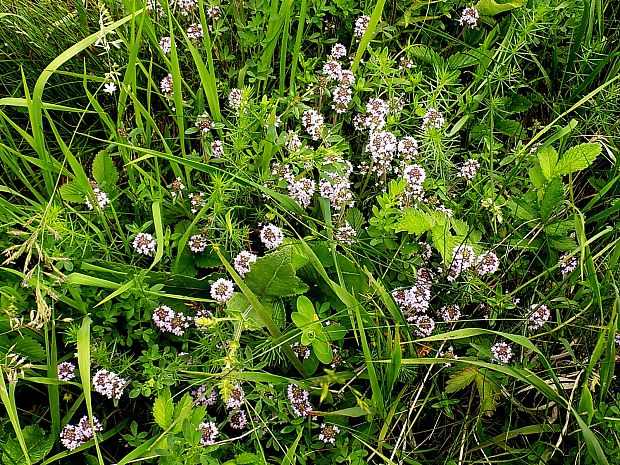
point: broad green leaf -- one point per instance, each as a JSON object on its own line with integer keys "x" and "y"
{"x": 578, "y": 158}
{"x": 548, "y": 158}
{"x": 239, "y": 305}
{"x": 552, "y": 198}
{"x": 71, "y": 192}
{"x": 323, "y": 351}
{"x": 415, "y": 221}
{"x": 492, "y": 7}
{"x": 461, "y": 379}
{"x": 163, "y": 409}
{"x": 273, "y": 275}
{"x": 104, "y": 171}
{"x": 536, "y": 175}
{"x": 305, "y": 307}
{"x": 38, "y": 444}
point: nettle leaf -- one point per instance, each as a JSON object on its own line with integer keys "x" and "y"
{"x": 104, "y": 171}
{"x": 163, "y": 409}
{"x": 461, "y": 379}
{"x": 578, "y": 158}
{"x": 415, "y": 221}
{"x": 548, "y": 158}
{"x": 72, "y": 192}
{"x": 536, "y": 175}
{"x": 273, "y": 275}
{"x": 37, "y": 443}
{"x": 492, "y": 7}
{"x": 444, "y": 241}
{"x": 552, "y": 198}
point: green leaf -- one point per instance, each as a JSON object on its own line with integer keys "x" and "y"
{"x": 163, "y": 409}
{"x": 488, "y": 391}
{"x": 461, "y": 379}
{"x": 578, "y": 158}
{"x": 239, "y": 306}
{"x": 552, "y": 198}
{"x": 415, "y": 221}
{"x": 491, "y": 7}
{"x": 71, "y": 192}
{"x": 536, "y": 175}
{"x": 548, "y": 158}
{"x": 273, "y": 275}
{"x": 104, "y": 171}
{"x": 323, "y": 351}
{"x": 38, "y": 444}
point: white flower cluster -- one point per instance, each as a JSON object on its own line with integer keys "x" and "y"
{"x": 204, "y": 123}
{"x": 177, "y": 187}
{"x": 450, "y": 313}
{"x": 432, "y": 119}
{"x": 202, "y": 398}
{"x": 332, "y": 69}
{"x": 109, "y": 384}
{"x": 235, "y": 99}
{"x": 414, "y": 175}
{"x": 414, "y": 302}
{"x": 186, "y": 7}
{"x": 337, "y": 189}
{"x": 271, "y": 236}
{"x": 165, "y": 44}
{"x": 243, "y": 262}
{"x": 469, "y": 17}
{"x": 73, "y": 436}
{"x": 156, "y": 6}
{"x": 338, "y": 51}
{"x": 102, "y": 198}
{"x": 342, "y": 96}
{"x": 167, "y": 86}
{"x": 235, "y": 397}
{"x": 360, "y": 26}
{"x": 66, "y": 371}
{"x": 302, "y": 351}
{"x": 408, "y": 148}
{"x": 299, "y": 400}
{"x": 313, "y": 123}
{"x": 567, "y": 264}
{"x": 464, "y": 258}
{"x": 214, "y": 12}
{"x": 144, "y": 244}
{"x": 328, "y": 433}
{"x": 208, "y": 433}
{"x": 222, "y": 290}
{"x": 197, "y": 243}
{"x": 501, "y": 352}
{"x": 382, "y": 146}
{"x": 217, "y": 149}
{"x": 539, "y": 315}
{"x": 195, "y": 31}
{"x": 293, "y": 144}
{"x": 238, "y": 419}
{"x": 487, "y": 263}
{"x": 167, "y": 320}
{"x": 197, "y": 201}
{"x": 469, "y": 169}
{"x": 301, "y": 191}
{"x": 345, "y": 233}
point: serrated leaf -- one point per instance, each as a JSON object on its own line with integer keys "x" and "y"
{"x": 562, "y": 244}
{"x": 38, "y": 443}
{"x": 519, "y": 104}
{"x": 552, "y": 198}
{"x": 163, "y": 409}
{"x": 415, "y": 221}
{"x": 508, "y": 127}
{"x": 273, "y": 275}
{"x": 578, "y": 158}
{"x": 182, "y": 405}
{"x": 462, "y": 60}
{"x": 461, "y": 379}
{"x": 25, "y": 346}
{"x": 488, "y": 392}
{"x": 104, "y": 171}
{"x": 548, "y": 158}
{"x": 491, "y": 7}
{"x": 536, "y": 175}
{"x": 425, "y": 53}
{"x": 185, "y": 265}
{"x": 71, "y": 192}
